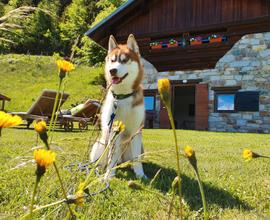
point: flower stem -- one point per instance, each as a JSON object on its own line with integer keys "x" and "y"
{"x": 205, "y": 214}
{"x": 42, "y": 207}
{"x": 63, "y": 188}
{"x": 86, "y": 182}
{"x": 177, "y": 162}
{"x": 171, "y": 205}
{"x": 33, "y": 196}
{"x": 55, "y": 104}
{"x": 57, "y": 110}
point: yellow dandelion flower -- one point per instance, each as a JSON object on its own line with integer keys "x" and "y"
{"x": 7, "y": 120}
{"x": 40, "y": 126}
{"x": 164, "y": 88}
{"x": 248, "y": 154}
{"x": 189, "y": 152}
{"x": 79, "y": 198}
{"x": 118, "y": 127}
{"x": 65, "y": 66}
{"x": 44, "y": 158}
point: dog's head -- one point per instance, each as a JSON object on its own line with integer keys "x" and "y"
{"x": 123, "y": 67}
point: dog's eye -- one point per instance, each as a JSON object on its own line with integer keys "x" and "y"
{"x": 113, "y": 59}
{"x": 124, "y": 58}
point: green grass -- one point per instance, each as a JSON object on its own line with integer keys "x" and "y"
{"x": 234, "y": 189}
{"x": 23, "y": 77}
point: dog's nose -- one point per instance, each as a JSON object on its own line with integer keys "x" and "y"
{"x": 113, "y": 72}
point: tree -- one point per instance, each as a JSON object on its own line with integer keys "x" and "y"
{"x": 76, "y": 21}
{"x": 41, "y": 35}
{"x": 90, "y": 52}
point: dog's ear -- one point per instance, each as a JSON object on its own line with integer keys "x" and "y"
{"x": 112, "y": 44}
{"x": 132, "y": 44}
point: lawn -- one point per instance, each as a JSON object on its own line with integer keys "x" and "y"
{"x": 235, "y": 189}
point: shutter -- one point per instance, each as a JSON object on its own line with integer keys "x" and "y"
{"x": 201, "y": 107}
{"x": 164, "y": 118}
{"x": 247, "y": 101}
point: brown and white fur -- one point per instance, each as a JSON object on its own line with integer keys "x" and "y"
{"x": 124, "y": 71}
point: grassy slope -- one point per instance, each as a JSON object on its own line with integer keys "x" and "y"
{"x": 234, "y": 189}
{"x": 22, "y": 78}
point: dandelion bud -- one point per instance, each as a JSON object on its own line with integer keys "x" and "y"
{"x": 43, "y": 158}
{"x": 133, "y": 185}
{"x": 40, "y": 128}
{"x": 190, "y": 154}
{"x": 164, "y": 89}
{"x": 175, "y": 183}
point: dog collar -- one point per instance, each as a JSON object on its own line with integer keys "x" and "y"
{"x": 122, "y": 96}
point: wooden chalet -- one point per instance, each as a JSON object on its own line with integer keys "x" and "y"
{"x": 185, "y": 35}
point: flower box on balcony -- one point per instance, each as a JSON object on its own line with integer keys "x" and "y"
{"x": 215, "y": 39}
{"x": 156, "y": 46}
{"x": 172, "y": 45}
{"x": 195, "y": 41}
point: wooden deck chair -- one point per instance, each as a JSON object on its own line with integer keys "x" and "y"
{"x": 83, "y": 116}
{"x": 42, "y": 108}
{"x": 89, "y": 110}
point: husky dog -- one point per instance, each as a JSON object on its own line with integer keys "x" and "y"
{"x": 124, "y": 102}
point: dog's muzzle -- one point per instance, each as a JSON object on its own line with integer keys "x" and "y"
{"x": 117, "y": 80}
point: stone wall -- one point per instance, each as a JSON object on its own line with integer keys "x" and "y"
{"x": 247, "y": 65}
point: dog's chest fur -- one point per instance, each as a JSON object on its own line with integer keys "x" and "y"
{"x": 127, "y": 110}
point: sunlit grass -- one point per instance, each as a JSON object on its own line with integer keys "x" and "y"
{"x": 23, "y": 77}
{"x": 234, "y": 188}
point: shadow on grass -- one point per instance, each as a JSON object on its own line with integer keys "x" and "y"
{"x": 191, "y": 193}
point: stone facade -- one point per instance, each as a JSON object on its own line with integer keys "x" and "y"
{"x": 247, "y": 65}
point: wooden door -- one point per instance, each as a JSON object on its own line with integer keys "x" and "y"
{"x": 201, "y": 107}
{"x": 164, "y": 118}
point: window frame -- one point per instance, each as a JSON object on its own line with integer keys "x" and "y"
{"x": 217, "y": 93}
{"x": 152, "y": 93}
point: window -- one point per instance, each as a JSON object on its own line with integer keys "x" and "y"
{"x": 225, "y": 102}
{"x": 149, "y": 102}
{"x": 229, "y": 99}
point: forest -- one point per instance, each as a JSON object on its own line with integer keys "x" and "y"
{"x": 49, "y": 27}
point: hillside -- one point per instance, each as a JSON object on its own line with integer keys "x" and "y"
{"x": 23, "y": 77}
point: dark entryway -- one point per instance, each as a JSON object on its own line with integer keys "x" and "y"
{"x": 184, "y": 107}
{"x": 189, "y": 105}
